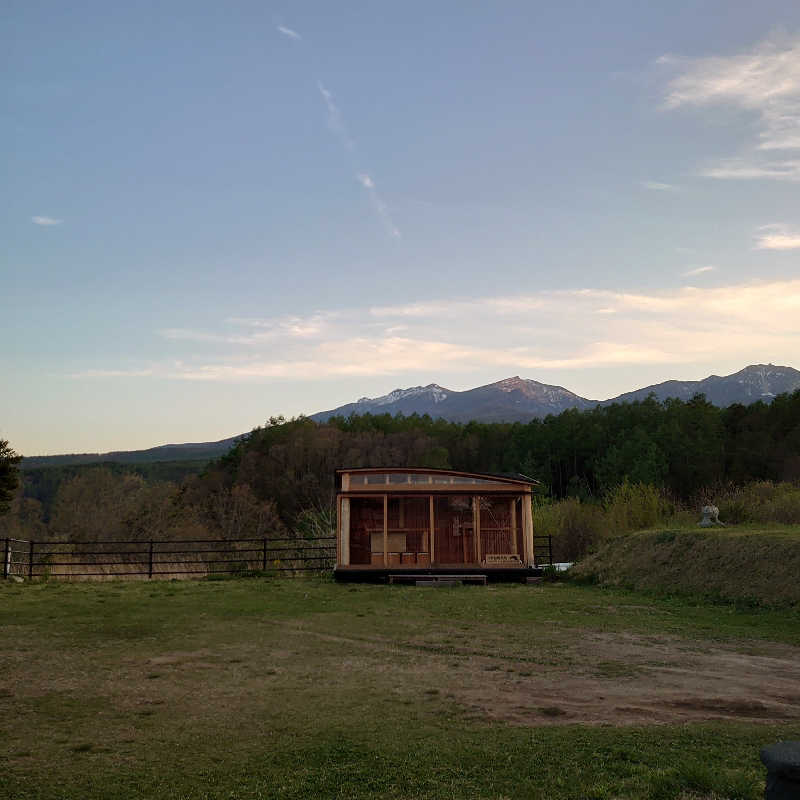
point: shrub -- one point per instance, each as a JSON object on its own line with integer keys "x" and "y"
{"x": 762, "y": 501}
{"x": 635, "y": 506}
{"x": 576, "y": 527}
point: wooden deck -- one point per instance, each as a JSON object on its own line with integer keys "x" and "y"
{"x": 508, "y": 574}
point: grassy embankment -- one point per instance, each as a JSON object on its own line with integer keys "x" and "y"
{"x": 751, "y": 564}
{"x": 297, "y": 689}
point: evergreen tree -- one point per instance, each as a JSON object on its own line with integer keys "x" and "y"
{"x": 9, "y": 475}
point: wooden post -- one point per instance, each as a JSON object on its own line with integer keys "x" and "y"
{"x": 476, "y": 526}
{"x": 264, "y": 556}
{"x": 6, "y": 558}
{"x": 514, "y": 538}
{"x": 150, "y": 560}
{"x": 30, "y": 561}
{"x": 527, "y": 529}
{"x": 386, "y": 530}
{"x": 433, "y": 530}
{"x": 344, "y": 532}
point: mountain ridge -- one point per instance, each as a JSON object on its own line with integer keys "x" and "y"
{"x": 513, "y": 399}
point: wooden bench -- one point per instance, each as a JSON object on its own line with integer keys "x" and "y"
{"x": 437, "y": 580}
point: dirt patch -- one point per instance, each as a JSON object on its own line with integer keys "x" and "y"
{"x": 655, "y": 680}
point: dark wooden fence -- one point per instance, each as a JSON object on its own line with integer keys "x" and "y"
{"x": 159, "y": 558}
{"x": 181, "y": 558}
{"x": 542, "y": 550}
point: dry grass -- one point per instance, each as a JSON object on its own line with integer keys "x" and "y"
{"x": 755, "y": 565}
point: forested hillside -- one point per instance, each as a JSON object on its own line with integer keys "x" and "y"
{"x": 281, "y": 476}
{"x": 683, "y": 447}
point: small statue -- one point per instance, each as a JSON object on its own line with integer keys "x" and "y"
{"x": 710, "y": 517}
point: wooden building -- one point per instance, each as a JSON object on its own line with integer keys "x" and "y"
{"x": 429, "y": 520}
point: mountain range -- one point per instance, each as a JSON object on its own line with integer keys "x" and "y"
{"x": 510, "y": 400}
{"x": 519, "y": 399}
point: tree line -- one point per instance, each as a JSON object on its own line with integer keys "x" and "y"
{"x": 280, "y": 477}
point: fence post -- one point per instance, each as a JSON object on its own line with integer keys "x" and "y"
{"x": 30, "y": 561}
{"x": 6, "y": 554}
{"x": 264, "y": 556}
{"x": 150, "y": 560}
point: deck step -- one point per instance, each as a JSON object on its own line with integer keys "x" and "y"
{"x": 438, "y": 580}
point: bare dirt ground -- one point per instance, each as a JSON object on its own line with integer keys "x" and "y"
{"x": 589, "y": 677}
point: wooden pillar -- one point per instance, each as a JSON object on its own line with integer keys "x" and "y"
{"x": 386, "y": 530}
{"x": 344, "y": 531}
{"x": 433, "y": 529}
{"x": 513, "y": 518}
{"x": 476, "y": 526}
{"x": 527, "y": 528}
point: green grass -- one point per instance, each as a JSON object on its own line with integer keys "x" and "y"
{"x": 305, "y": 688}
{"x": 755, "y": 565}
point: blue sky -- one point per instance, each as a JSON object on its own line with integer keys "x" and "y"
{"x": 213, "y": 213}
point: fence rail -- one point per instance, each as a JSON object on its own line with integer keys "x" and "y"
{"x": 160, "y": 558}
{"x": 542, "y": 550}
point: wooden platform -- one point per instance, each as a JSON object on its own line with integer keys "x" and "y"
{"x": 398, "y": 574}
{"x": 436, "y": 580}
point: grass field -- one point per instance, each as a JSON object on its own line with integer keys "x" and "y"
{"x": 265, "y": 688}
{"x": 745, "y": 564}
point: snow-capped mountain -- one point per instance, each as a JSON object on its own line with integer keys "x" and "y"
{"x": 519, "y": 399}
{"x": 510, "y": 400}
{"x": 433, "y": 391}
{"x": 507, "y": 400}
{"x": 756, "y": 382}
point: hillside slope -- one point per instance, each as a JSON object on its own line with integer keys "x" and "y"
{"x": 739, "y": 565}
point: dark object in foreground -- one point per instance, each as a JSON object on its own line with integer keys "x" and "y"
{"x": 782, "y": 761}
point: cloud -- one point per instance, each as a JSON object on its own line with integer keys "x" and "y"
{"x": 46, "y": 221}
{"x": 656, "y": 186}
{"x": 698, "y": 271}
{"x": 550, "y": 330}
{"x": 335, "y": 120}
{"x": 742, "y": 169}
{"x": 378, "y": 205}
{"x": 289, "y": 33}
{"x": 114, "y": 373}
{"x": 763, "y": 81}
{"x": 777, "y": 237}
{"x": 337, "y": 126}
{"x": 365, "y": 180}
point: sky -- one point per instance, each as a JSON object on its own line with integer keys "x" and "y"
{"x": 213, "y": 213}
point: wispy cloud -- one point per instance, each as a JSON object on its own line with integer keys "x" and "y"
{"x": 46, "y": 221}
{"x": 553, "y": 330}
{"x": 698, "y": 271}
{"x": 337, "y": 126}
{"x": 377, "y": 204}
{"x": 763, "y": 81}
{"x": 288, "y": 32}
{"x": 777, "y": 237}
{"x": 657, "y": 186}
{"x": 335, "y": 119}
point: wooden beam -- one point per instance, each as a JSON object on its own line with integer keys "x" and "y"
{"x": 527, "y": 529}
{"x": 514, "y": 537}
{"x": 386, "y": 530}
{"x": 432, "y": 531}
{"x": 476, "y": 526}
{"x": 344, "y": 531}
